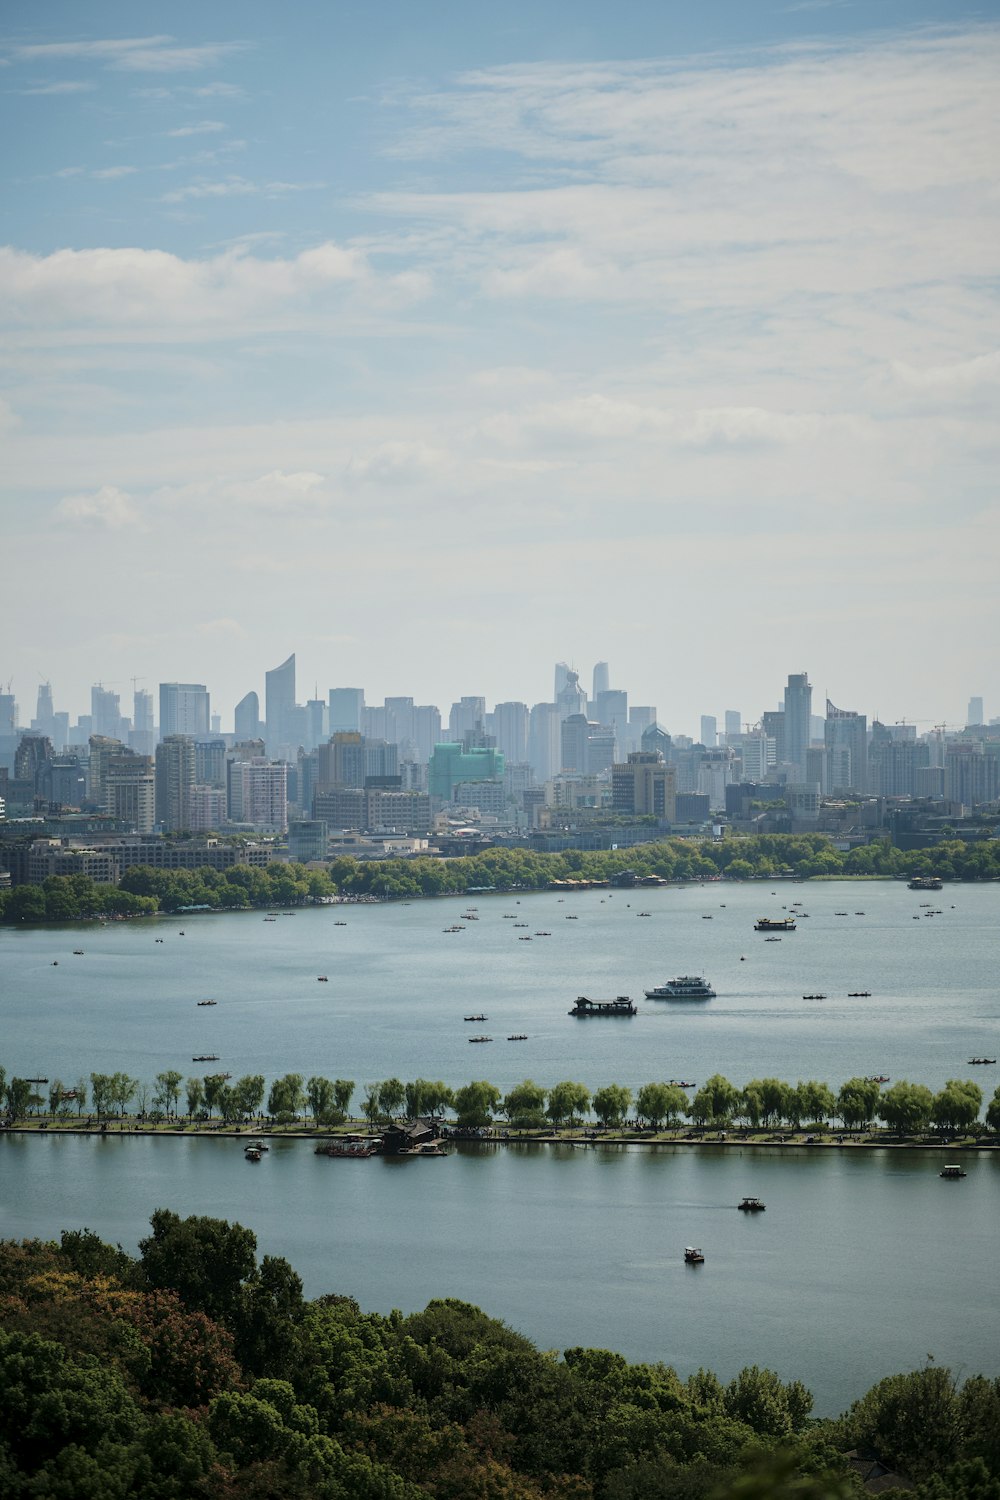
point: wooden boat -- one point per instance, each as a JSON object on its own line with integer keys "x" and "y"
{"x": 480, "y": 1039}
{"x": 321, "y": 979}
{"x": 206, "y": 1057}
{"x": 981, "y": 1062}
{"x": 751, "y": 1206}
{"x": 207, "y": 1002}
{"x": 693, "y": 1256}
{"x": 477, "y": 1018}
{"x": 622, "y": 1005}
{"x": 520, "y": 1036}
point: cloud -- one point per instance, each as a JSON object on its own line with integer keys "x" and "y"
{"x": 237, "y": 187}
{"x": 108, "y": 507}
{"x": 398, "y": 463}
{"x": 150, "y": 54}
{"x": 201, "y": 127}
{"x": 276, "y": 491}
{"x": 224, "y": 628}
{"x": 8, "y": 417}
{"x": 111, "y": 174}
{"x": 598, "y": 419}
{"x": 966, "y": 374}
{"x": 121, "y": 289}
{"x": 70, "y": 86}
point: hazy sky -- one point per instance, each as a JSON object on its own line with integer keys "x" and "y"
{"x": 437, "y": 342}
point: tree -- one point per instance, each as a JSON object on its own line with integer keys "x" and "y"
{"x": 18, "y": 1098}
{"x": 816, "y": 1103}
{"x": 524, "y": 1106}
{"x": 391, "y": 1096}
{"x": 248, "y": 1095}
{"x": 343, "y": 1088}
{"x": 761, "y": 1400}
{"x": 168, "y": 1089}
{"x": 121, "y": 1089}
{"x": 286, "y": 1098}
{"x": 56, "y": 1090}
{"x": 214, "y": 1085}
{"x": 204, "y": 1260}
{"x": 906, "y": 1107}
{"x": 100, "y": 1093}
{"x": 567, "y": 1101}
{"x": 475, "y": 1103}
{"x": 716, "y": 1101}
{"x": 195, "y": 1093}
{"x": 993, "y": 1112}
{"x": 857, "y": 1102}
{"x": 957, "y": 1106}
{"x": 370, "y": 1106}
{"x": 319, "y": 1096}
{"x": 612, "y": 1103}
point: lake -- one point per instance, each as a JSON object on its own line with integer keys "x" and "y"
{"x": 864, "y": 1262}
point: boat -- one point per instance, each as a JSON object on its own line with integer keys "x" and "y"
{"x": 430, "y": 1148}
{"x": 353, "y": 1150}
{"x": 814, "y": 997}
{"x": 321, "y": 979}
{"x": 681, "y": 1083}
{"x": 344, "y": 924}
{"x": 772, "y": 940}
{"x": 520, "y": 1036}
{"x": 78, "y": 952}
{"x": 774, "y": 924}
{"x": 693, "y": 1256}
{"x": 206, "y": 1057}
{"x": 952, "y": 1173}
{"x": 684, "y": 987}
{"x": 978, "y": 1062}
{"x": 751, "y": 1206}
{"x": 878, "y": 1078}
{"x": 251, "y": 1155}
{"x": 477, "y": 1018}
{"x": 524, "y": 940}
{"x": 208, "y": 1002}
{"x": 257, "y": 1146}
{"x": 543, "y": 934}
{"x": 924, "y": 883}
{"x": 858, "y": 994}
{"x": 480, "y": 1039}
{"x": 622, "y": 1005}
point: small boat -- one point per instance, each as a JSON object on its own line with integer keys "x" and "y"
{"x": 55, "y": 963}
{"x": 772, "y": 940}
{"x": 681, "y": 1083}
{"x": 543, "y": 934}
{"x": 344, "y": 924}
{"x": 524, "y": 940}
{"x": 208, "y": 1002}
{"x": 952, "y": 1173}
{"x": 975, "y": 1062}
{"x": 751, "y": 1206}
{"x": 251, "y": 1154}
{"x": 431, "y": 1148}
{"x": 257, "y": 1146}
{"x": 353, "y": 1150}
{"x": 78, "y": 952}
{"x": 480, "y": 1039}
{"x": 693, "y": 1256}
{"x": 878, "y": 1078}
{"x": 477, "y": 1018}
{"x": 858, "y": 994}
{"x": 520, "y": 1036}
{"x": 321, "y": 979}
{"x": 206, "y": 1057}
{"x": 814, "y": 997}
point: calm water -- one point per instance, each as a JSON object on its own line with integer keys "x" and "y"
{"x": 864, "y": 1263}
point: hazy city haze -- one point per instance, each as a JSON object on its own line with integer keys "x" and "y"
{"x": 438, "y": 346}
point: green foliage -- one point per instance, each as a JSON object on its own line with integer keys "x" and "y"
{"x": 568, "y": 1101}
{"x": 957, "y": 1106}
{"x": 612, "y": 1104}
{"x": 715, "y": 1102}
{"x": 858, "y": 1102}
{"x": 524, "y": 1106}
{"x": 906, "y": 1107}
{"x": 476, "y": 1103}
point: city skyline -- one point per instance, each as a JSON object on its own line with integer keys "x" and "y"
{"x": 437, "y": 346}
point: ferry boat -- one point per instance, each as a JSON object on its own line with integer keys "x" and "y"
{"x": 751, "y": 1206}
{"x": 251, "y": 1154}
{"x": 774, "y": 924}
{"x": 480, "y": 1039}
{"x": 622, "y": 1005}
{"x": 953, "y": 1173}
{"x": 859, "y": 994}
{"x": 519, "y": 1036}
{"x": 924, "y": 883}
{"x": 684, "y": 987}
{"x": 693, "y": 1256}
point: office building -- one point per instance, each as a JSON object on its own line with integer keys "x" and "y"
{"x": 426, "y": 730}
{"x": 611, "y": 707}
{"x": 644, "y": 785}
{"x": 341, "y": 762}
{"x": 450, "y": 765}
{"x": 207, "y": 809}
{"x": 602, "y": 680}
{"x": 972, "y": 773}
{"x": 975, "y": 714}
{"x": 307, "y": 840}
{"x": 773, "y": 725}
{"x": 279, "y": 706}
{"x": 142, "y": 735}
{"x": 560, "y": 679}
{"x": 346, "y": 710}
{"x": 732, "y": 722}
{"x": 510, "y": 728}
{"x": 709, "y": 731}
{"x": 175, "y": 778}
{"x": 467, "y": 716}
{"x": 128, "y": 789}
{"x": 184, "y": 709}
{"x": 101, "y": 748}
{"x": 571, "y": 699}
{"x": 263, "y": 793}
{"x": 544, "y": 741}
{"x": 845, "y": 737}
{"x": 246, "y": 718}
{"x": 798, "y": 721}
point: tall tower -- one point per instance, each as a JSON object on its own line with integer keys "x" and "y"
{"x": 279, "y": 703}
{"x": 184, "y": 709}
{"x": 246, "y": 718}
{"x": 561, "y": 679}
{"x": 975, "y": 715}
{"x": 174, "y": 781}
{"x": 798, "y": 712}
{"x": 602, "y": 679}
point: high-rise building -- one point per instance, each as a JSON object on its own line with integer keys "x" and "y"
{"x": 798, "y": 717}
{"x": 510, "y": 727}
{"x": 561, "y": 678}
{"x": 732, "y": 722}
{"x": 709, "y": 731}
{"x": 44, "y": 720}
{"x": 246, "y": 717}
{"x": 573, "y": 743}
{"x": 450, "y": 766}
{"x": 347, "y": 709}
{"x": 341, "y": 762}
{"x": 184, "y": 709}
{"x": 279, "y": 705}
{"x": 102, "y": 747}
{"x": 317, "y": 716}
{"x": 263, "y": 793}
{"x": 142, "y": 735}
{"x": 571, "y": 699}
{"x": 644, "y": 785}
{"x": 845, "y": 739}
{"x": 611, "y": 708}
{"x": 894, "y": 759}
{"x": 175, "y": 778}
{"x": 602, "y": 679}
{"x": 105, "y": 712}
{"x": 544, "y": 741}
{"x": 972, "y": 773}
{"x": 399, "y": 726}
{"x": 975, "y": 715}
{"x": 426, "y": 730}
{"x": 210, "y": 762}
{"x": 466, "y": 715}
{"x": 128, "y": 789}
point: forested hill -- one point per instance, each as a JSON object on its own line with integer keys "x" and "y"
{"x": 193, "y": 1371}
{"x": 143, "y": 891}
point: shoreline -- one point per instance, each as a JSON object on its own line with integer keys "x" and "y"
{"x": 584, "y": 1138}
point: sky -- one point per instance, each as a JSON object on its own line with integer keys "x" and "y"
{"x": 439, "y": 342}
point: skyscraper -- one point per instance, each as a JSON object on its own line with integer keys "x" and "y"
{"x": 347, "y": 709}
{"x": 128, "y": 789}
{"x": 846, "y": 742}
{"x": 466, "y": 715}
{"x": 105, "y": 712}
{"x": 174, "y": 780}
{"x": 246, "y": 717}
{"x": 544, "y": 743}
{"x": 975, "y": 715}
{"x": 571, "y": 699}
{"x": 510, "y": 725}
{"x": 279, "y": 704}
{"x": 732, "y": 722}
{"x": 709, "y": 731}
{"x": 184, "y": 709}
{"x": 561, "y": 679}
{"x": 798, "y": 709}
{"x": 602, "y": 679}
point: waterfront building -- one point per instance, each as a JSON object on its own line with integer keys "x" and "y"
{"x": 644, "y": 784}
{"x": 47, "y": 857}
{"x": 184, "y": 709}
{"x": 716, "y": 770}
{"x": 341, "y": 807}
{"x": 175, "y": 776}
{"x": 307, "y": 839}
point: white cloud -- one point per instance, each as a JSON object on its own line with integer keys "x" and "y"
{"x": 966, "y": 374}
{"x": 69, "y": 86}
{"x": 598, "y": 419}
{"x": 398, "y": 463}
{"x": 149, "y": 54}
{"x": 200, "y": 127}
{"x": 237, "y": 187}
{"x": 111, "y": 174}
{"x": 8, "y": 417}
{"x": 108, "y": 507}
